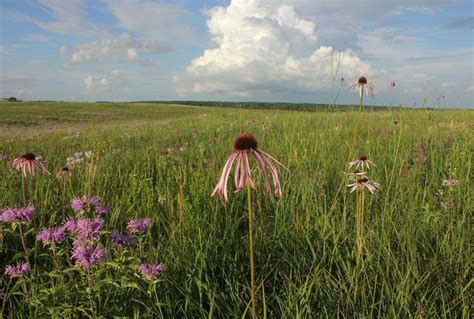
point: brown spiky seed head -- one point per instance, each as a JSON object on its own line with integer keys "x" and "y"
{"x": 362, "y": 80}
{"x": 245, "y": 141}
{"x": 29, "y": 156}
{"x": 362, "y": 180}
{"x": 363, "y": 158}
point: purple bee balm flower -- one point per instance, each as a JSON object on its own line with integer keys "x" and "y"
{"x": 18, "y": 215}
{"x": 51, "y": 235}
{"x": 17, "y": 270}
{"x": 124, "y": 240}
{"x": 70, "y": 225}
{"x": 102, "y": 210}
{"x": 88, "y": 229}
{"x": 80, "y": 205}
{"x": 139, "y": 225}
{"x": 87, "y": 256}
{"x": 150, "y": 271}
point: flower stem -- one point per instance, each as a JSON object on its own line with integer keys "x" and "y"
{"x": 23, "y": 189}
{"x": 252, "y": 273}
{"x": 23, "y": 241}
{"x": 361, "y": 97}
{"x": 89, "y": 281}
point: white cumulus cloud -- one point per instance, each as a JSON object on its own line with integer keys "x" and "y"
{"x": 122, "y": 47}
{"x": 104, "y": 81}
{"x": 263, "y": 46}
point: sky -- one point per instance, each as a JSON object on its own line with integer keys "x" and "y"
{"x": 238, "y": 50}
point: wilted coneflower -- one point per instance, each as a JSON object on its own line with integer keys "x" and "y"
{"x": 362, "y": 183}
{"x": 28, "y": 163}
{"x": 139, "y": 225}
{"x": 50, "y": 236}
{"x": 362, "y": 85}
{"x": 361, "y": 162}
{"x": 245, "y": 145}
{"x": 150, "y": 271}
{"x": 450, "y": 182}
{"x": 65, "y": 172}
{"x": 355, "y": 175}
{"x": 18, "y": 270}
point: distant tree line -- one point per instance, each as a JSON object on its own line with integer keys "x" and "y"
{"x": 11, "y": 99}
{"x": 266, "y": 105}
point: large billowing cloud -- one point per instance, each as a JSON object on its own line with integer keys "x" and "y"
{"x": 264, "y": 46}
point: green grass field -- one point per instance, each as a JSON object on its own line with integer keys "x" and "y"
{"x": 418, "y": 248}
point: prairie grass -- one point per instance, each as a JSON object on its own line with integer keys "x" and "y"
{"x": 418, "y": 259}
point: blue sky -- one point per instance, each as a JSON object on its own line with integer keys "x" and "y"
{"x": 240, "y": 50}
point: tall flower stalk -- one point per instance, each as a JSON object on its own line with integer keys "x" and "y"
{"x": 359, "y": 184}
{"x": 245, "y": 144}
{"x": 363, "y": 86}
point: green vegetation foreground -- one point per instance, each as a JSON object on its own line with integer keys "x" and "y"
{"x": 163, "y": 161}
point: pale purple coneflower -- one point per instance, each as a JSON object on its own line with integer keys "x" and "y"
{"x": 65, "y": 171}
{"x": 120, "y": 239}
{"x": 361, "y": 162}
{"x": 245, "y": 145}
{"x": 450, "y": 182}
{"x": 150, "y": 271}
{"x": 87, "y": 256}
{"x": 50, "y": 236}
{"x": 139, "y": 225}
{"x": 355, "y": 175}
{"x": 17, "y": 270}
{"x": 362, "y": 85}
{"x": 18, "y": 214}
{"x": 88, "y": 154}
{"x": 3, "y": 157}
{"x": 28, "y": 163}
{"x": 392, "y": 84}
{"x": 362, "y": 183}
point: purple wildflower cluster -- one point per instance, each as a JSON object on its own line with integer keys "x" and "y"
{"x": 85, "y": 252}
{"x": 150, "y": 271}
{"x": 139, "y": 225}
{"x": 18, "y": 215}
{"x": 85, "y": 229}
{"x": 18, "y": 270}
{"x": 50, "y": 236}
{"x": 122, "y": 240}
{"x": 87, "y": 256}
{"x": 89, "y": 204}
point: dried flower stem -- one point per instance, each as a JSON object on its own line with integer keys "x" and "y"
{"x": 252, "y": 272}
